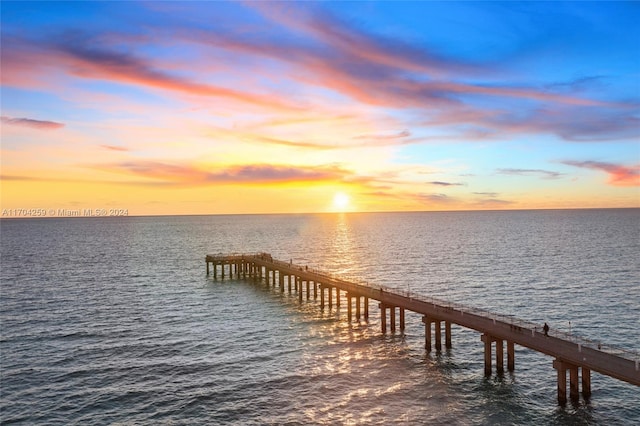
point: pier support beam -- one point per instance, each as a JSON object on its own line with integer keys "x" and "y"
{"x": 511, "y": 356}
{"x": 499, "y": 356}
{"x": 349, "y": 302}
{"x": 487, "y": 353}
{"x": 321, "y": 296}
{"x": 562, "y": 381}
{"x": 401, "y": 319}
{"x": 392, "y": 314}
{"x": 427, "y": 333}
{"x": 574, "y": 391}
{"x": 574, "y": 383}
{"x": 586, "y": 382}
{"x": 383, "y": 318}
{"x": 438, "y": 333}
{"x": 488, "y": 339}
{"x": 366, "y": 308}
{"x": 358, "y": 300}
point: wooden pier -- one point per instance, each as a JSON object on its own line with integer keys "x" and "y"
{"x": 571, "y": 354}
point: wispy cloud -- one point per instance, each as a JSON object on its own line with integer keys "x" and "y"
{"x": 492, "y": 203}
{"x": 267, "y": 173}
{"x": 389, "y": 73}
{"x": 314, "y": 48}
{"x": 115, "y": 148}
{"x": 619, "y": 175}
{"x": 433, "y": 198}
{"x": 190, "y": 174}
{"x": 490, "y": 200}
{"x": 80, "y": 55}
{"x": 31, "y": 123}
{"x": 295, "y": 144}
{"x": 545, "y": 174}
{"x": 441, "y": 183}
{"x": 399, "y": 135}
{"x": 486, "y": 194}
{"x": 578, "y": 84}
{"x": 19, "y": 178}
{"x": 361, "y": 141}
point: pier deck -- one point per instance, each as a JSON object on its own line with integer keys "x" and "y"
{"x": 570, "y": 352}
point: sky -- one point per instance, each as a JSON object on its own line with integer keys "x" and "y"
{"x": 163, "y": 108}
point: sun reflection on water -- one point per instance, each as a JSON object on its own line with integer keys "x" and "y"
{"x": 343, "y": 246}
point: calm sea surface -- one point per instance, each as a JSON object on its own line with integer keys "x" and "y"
{"x": 113, "y": 320}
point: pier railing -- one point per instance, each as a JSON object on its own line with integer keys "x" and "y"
{"x": 508, "y": 319}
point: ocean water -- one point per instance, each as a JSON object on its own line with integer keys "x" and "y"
{"x": 114, "y": 321}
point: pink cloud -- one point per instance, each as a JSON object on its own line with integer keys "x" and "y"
{"x": 77, "y": 56}
{"x": 619, "y": 175}
{"x": 388, "y": 73}
{"x": 31, "y": 123}
{"x": 341, "y": 58}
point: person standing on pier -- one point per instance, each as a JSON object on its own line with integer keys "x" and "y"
{"x": 546, "y": 329}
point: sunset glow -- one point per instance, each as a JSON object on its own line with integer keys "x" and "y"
{"x": 260, "y": 107}
{"x": 341, "y": 202}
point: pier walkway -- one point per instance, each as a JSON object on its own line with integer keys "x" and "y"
{"x": 573, "y": 354}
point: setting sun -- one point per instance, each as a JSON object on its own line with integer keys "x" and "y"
{"x": 341, "y": 201}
